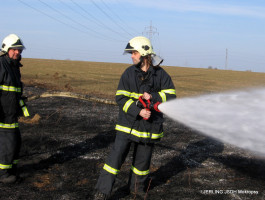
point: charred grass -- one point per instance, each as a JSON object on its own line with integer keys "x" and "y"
{"x": 66, "y": 143}
{"x": 66, "y": 140}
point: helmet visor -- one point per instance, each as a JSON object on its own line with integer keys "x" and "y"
{"x": 128, "y": 49}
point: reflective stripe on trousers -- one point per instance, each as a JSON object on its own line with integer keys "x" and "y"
{"x": 141, "y": 162}
{"x": 10, "y": 144}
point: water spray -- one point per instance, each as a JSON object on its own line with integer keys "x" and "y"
{"x": 237, "y": 118}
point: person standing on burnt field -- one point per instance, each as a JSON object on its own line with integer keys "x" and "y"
{"x": 141, "y": 88}
{"x": 11, "y": 107}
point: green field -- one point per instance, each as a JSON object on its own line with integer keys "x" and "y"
{"x": 101, "y": 79}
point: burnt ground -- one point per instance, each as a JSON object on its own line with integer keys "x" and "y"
{"x": 64, "y": 150}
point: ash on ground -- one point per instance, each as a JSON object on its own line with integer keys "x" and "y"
{"x": 66, "y": 141}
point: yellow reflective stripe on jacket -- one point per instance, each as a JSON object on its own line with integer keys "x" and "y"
{"x": 21, "y": 103}
{"x": 163, "y": 96}
{"x": 138, "y": 172}
{"x": 136, "y": 95}
{"x": 15, "y": 162}
{"x": 123, "y": 92}
{"x": 110, "y": 169}
{"x": 127, "y": 105}
{"x": 25, "y": 111}
{"x": 10, "y": 88}
{"x": 163, "y": 93}
{"x": 24, "y": 108}
{"x": 5, "y": 166}
{"x": 14, "y": 125}
{"x": 169, "y": 91}
{"x": 128, "y": 94}
{"x": 138, "y": 133}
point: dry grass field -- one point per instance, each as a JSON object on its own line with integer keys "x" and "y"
{"x": 101, "y": 79}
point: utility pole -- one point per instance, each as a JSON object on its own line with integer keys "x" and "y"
{"x": 226, "y": 57}
{"x": 150, "y": 31}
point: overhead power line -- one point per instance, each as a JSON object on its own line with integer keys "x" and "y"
{"x": 72, "y": 20}
{"x": 118, "y": 17}
{"x": 95, "y": 20}
{"x": 109, "y": 17}
{"x": 94, "y": 33}
{"x": 53, "y": 18}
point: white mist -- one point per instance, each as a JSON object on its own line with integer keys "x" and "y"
{"x": 237, "y": 118}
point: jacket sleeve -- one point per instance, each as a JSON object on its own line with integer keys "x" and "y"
{"x": 125, "y": 98}
{"x": 167, "y": 91}
{"x": 1, "y": 72}
{"x": 1, "y": 82}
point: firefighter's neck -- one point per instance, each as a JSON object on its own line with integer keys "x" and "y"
{"x": 145, "y": 66}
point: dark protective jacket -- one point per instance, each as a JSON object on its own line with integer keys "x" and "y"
{"x": 11, "y": 103}
{"x": 133, "y": 83}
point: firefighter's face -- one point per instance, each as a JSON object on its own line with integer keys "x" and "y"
{"x": 136, "y": 57}
{"x": 14, "y": 53}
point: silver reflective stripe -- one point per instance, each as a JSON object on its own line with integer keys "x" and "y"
{"x": 15, "y": 162}
{"x": 21, "y": 103}
{"x": 110, "y": 169}
{"x": 128, "y": 94}
{"x": 169, "y": 91}
{"x": 127, "y": 105}
{"x": 123, "y": 92}
{"x": 25, "y": 111}
{"x": 138, "y": 133}
{"x": 163, "y": 96}
{"x": 138, "y": 172}
{"x": 5, "y": 166}
{"x": 10, "y": 88}
{"x": 14, "y": 125}
{"x": 135, "y": 95}
{"x": 24, "y": 108}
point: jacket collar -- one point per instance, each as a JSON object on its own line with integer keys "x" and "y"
{"x": 15, "y": 63}
{"x": 151, "y": 69}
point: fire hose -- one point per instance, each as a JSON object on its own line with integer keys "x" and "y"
{"x": 148, "y": 105}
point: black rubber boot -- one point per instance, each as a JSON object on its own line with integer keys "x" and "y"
{"x": 7, "y": 178}
{"x": 100, "y": 196}
{"x": 13, "y": 170}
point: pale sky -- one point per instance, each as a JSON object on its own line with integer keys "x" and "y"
{"x": 187, "y": 33}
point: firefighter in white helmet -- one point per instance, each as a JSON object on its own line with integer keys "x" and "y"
{"x": 11, "y": 106}
{"x": 137, "y": 123}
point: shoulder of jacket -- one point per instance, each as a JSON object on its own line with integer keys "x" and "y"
{"x": 2, "y": 53}
{"x": 130, "y": 69}
{"x": 162, "y": 70}
{"x": 158, "y": 70}
{"x": 2, "y": 58}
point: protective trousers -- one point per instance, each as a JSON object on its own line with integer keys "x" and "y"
{"x": 140, "y": 165}
{"x": 10, "y": 144}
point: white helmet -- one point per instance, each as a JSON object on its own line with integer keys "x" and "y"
{"x": 144, "y": 47}
{"x": 12, "y": 41}
{"x": 140, "y": 44}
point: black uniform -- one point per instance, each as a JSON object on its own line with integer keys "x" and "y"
{"x": 132, "y": 128}
{"x": 11, "y": 107}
